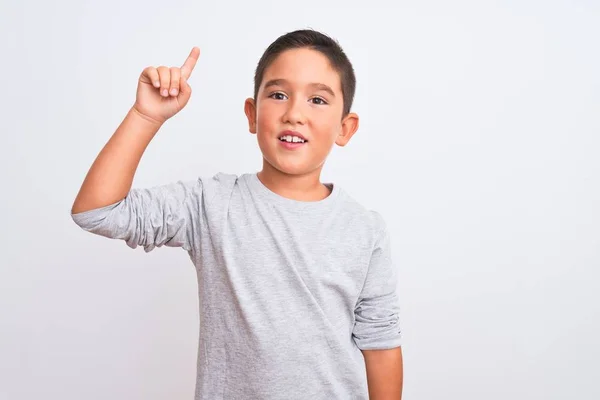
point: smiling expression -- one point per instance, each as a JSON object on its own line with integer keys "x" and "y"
{"x": 297, "y": 114}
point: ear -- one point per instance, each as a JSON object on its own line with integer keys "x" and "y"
{"x": 349, "y": 128}
{"x": 250, "y": 110}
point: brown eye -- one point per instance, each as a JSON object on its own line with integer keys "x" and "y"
{"x": 319, "y": 101}
{"x": 277, "y": 96}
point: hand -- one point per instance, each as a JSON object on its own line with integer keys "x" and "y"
{"x": 162, "y": 92}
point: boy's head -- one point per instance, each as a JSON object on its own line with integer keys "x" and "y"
{"x": 303, "y": 85}
{"x": 310, "y": 39}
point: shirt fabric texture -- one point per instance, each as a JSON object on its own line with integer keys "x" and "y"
{"x": 290, "y": 292}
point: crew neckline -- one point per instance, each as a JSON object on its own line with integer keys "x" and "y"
{"x": 284, "y": 201}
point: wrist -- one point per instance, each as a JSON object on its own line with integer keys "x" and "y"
{"x": 144, "y": 119}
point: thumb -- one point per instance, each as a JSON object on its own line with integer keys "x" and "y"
{"x": 185, "y": 90}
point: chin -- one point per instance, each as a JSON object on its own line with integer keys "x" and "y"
{"x": 289, "y": 164}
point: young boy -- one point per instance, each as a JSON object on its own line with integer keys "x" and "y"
{"x": 297, "y": 288}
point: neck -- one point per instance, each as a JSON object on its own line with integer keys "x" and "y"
{"x": 305, "y": 187}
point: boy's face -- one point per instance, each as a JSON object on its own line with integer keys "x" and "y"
{"x": 300, "y": 94}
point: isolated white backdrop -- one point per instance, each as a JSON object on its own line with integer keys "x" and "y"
{"x": 479, "y": 142}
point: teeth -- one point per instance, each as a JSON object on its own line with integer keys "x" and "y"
{"x": 291, "y": 139}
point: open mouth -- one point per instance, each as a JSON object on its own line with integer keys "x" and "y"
{"x": 292, "y": 139}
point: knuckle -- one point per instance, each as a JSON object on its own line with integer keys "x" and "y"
{"x": 149, "y": 71}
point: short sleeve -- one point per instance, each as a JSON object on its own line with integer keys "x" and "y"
{"x": 149, "y": 217}
{"x": 377, "y": 321}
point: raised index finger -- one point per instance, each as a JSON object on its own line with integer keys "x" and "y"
{"x": 190, "y": 63}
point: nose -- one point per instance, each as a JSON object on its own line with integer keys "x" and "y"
{"x": 294, "y": 114}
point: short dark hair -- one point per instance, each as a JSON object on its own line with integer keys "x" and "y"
{"x": 308, "y": 38}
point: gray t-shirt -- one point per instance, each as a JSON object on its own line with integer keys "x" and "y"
{"x": 289, "y": 291}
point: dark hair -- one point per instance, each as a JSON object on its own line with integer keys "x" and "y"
{"x": 308, "y": 38}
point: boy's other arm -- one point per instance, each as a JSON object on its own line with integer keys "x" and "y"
{"x": 377, "y": 330}
{"x": 384, "y": 373}
{"x": 111, "y": 175}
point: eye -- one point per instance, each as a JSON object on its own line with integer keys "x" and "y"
{"x": 319, "y": 101}
{"x": 277, "y": 96}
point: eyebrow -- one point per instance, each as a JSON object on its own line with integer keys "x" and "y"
{"x": 283, "y": 82}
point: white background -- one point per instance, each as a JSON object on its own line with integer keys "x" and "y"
{"x": 479, "y": 143}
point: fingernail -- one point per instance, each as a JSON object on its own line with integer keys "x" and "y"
{"x": 174, "y": 92}
{"x": 165, "y": 92}
{"x": 156, "y": 83}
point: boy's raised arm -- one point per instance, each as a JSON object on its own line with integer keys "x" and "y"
{"x": 161, "y": 93}
{"x": 111, "y": 175}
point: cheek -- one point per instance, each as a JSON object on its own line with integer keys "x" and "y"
{"x": 327, "y": 127}
{"x": 266, "y": 115}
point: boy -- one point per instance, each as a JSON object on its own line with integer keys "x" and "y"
{"x": 296, "y": 282}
